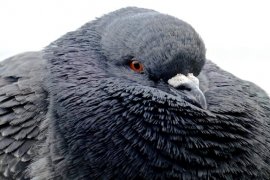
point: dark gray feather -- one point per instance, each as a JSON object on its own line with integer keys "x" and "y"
{"x": 22, "y": 102}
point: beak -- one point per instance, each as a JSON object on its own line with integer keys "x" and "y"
{"x": 188, "y": 87}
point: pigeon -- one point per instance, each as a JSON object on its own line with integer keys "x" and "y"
{"x": 130, "y": 95}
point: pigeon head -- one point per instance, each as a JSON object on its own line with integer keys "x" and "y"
{"x": 125, "y": 101}
{"x": 162, "y": 45}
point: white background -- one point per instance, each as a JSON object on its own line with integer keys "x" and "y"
{"x": 236, "y": 32}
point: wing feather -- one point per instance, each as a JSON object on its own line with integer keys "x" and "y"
{"x": 22, "y": 108}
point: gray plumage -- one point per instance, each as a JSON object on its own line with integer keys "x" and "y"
{"x": 77, "y": 111}
{"x": 23, "y": 108}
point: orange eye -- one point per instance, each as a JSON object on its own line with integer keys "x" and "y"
{"x": 136, "y": 66}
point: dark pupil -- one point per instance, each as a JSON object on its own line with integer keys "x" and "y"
{"x": 137, "y": 65}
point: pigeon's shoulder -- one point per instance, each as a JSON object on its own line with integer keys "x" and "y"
{"x": 22, "y": 109}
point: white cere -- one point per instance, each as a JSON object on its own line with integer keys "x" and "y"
{"x": 182, "y": 79}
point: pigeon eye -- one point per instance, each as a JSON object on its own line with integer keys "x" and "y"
{"x": 136, "y": 66}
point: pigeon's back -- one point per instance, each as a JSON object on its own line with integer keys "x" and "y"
{"x": 22, "y": 109}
